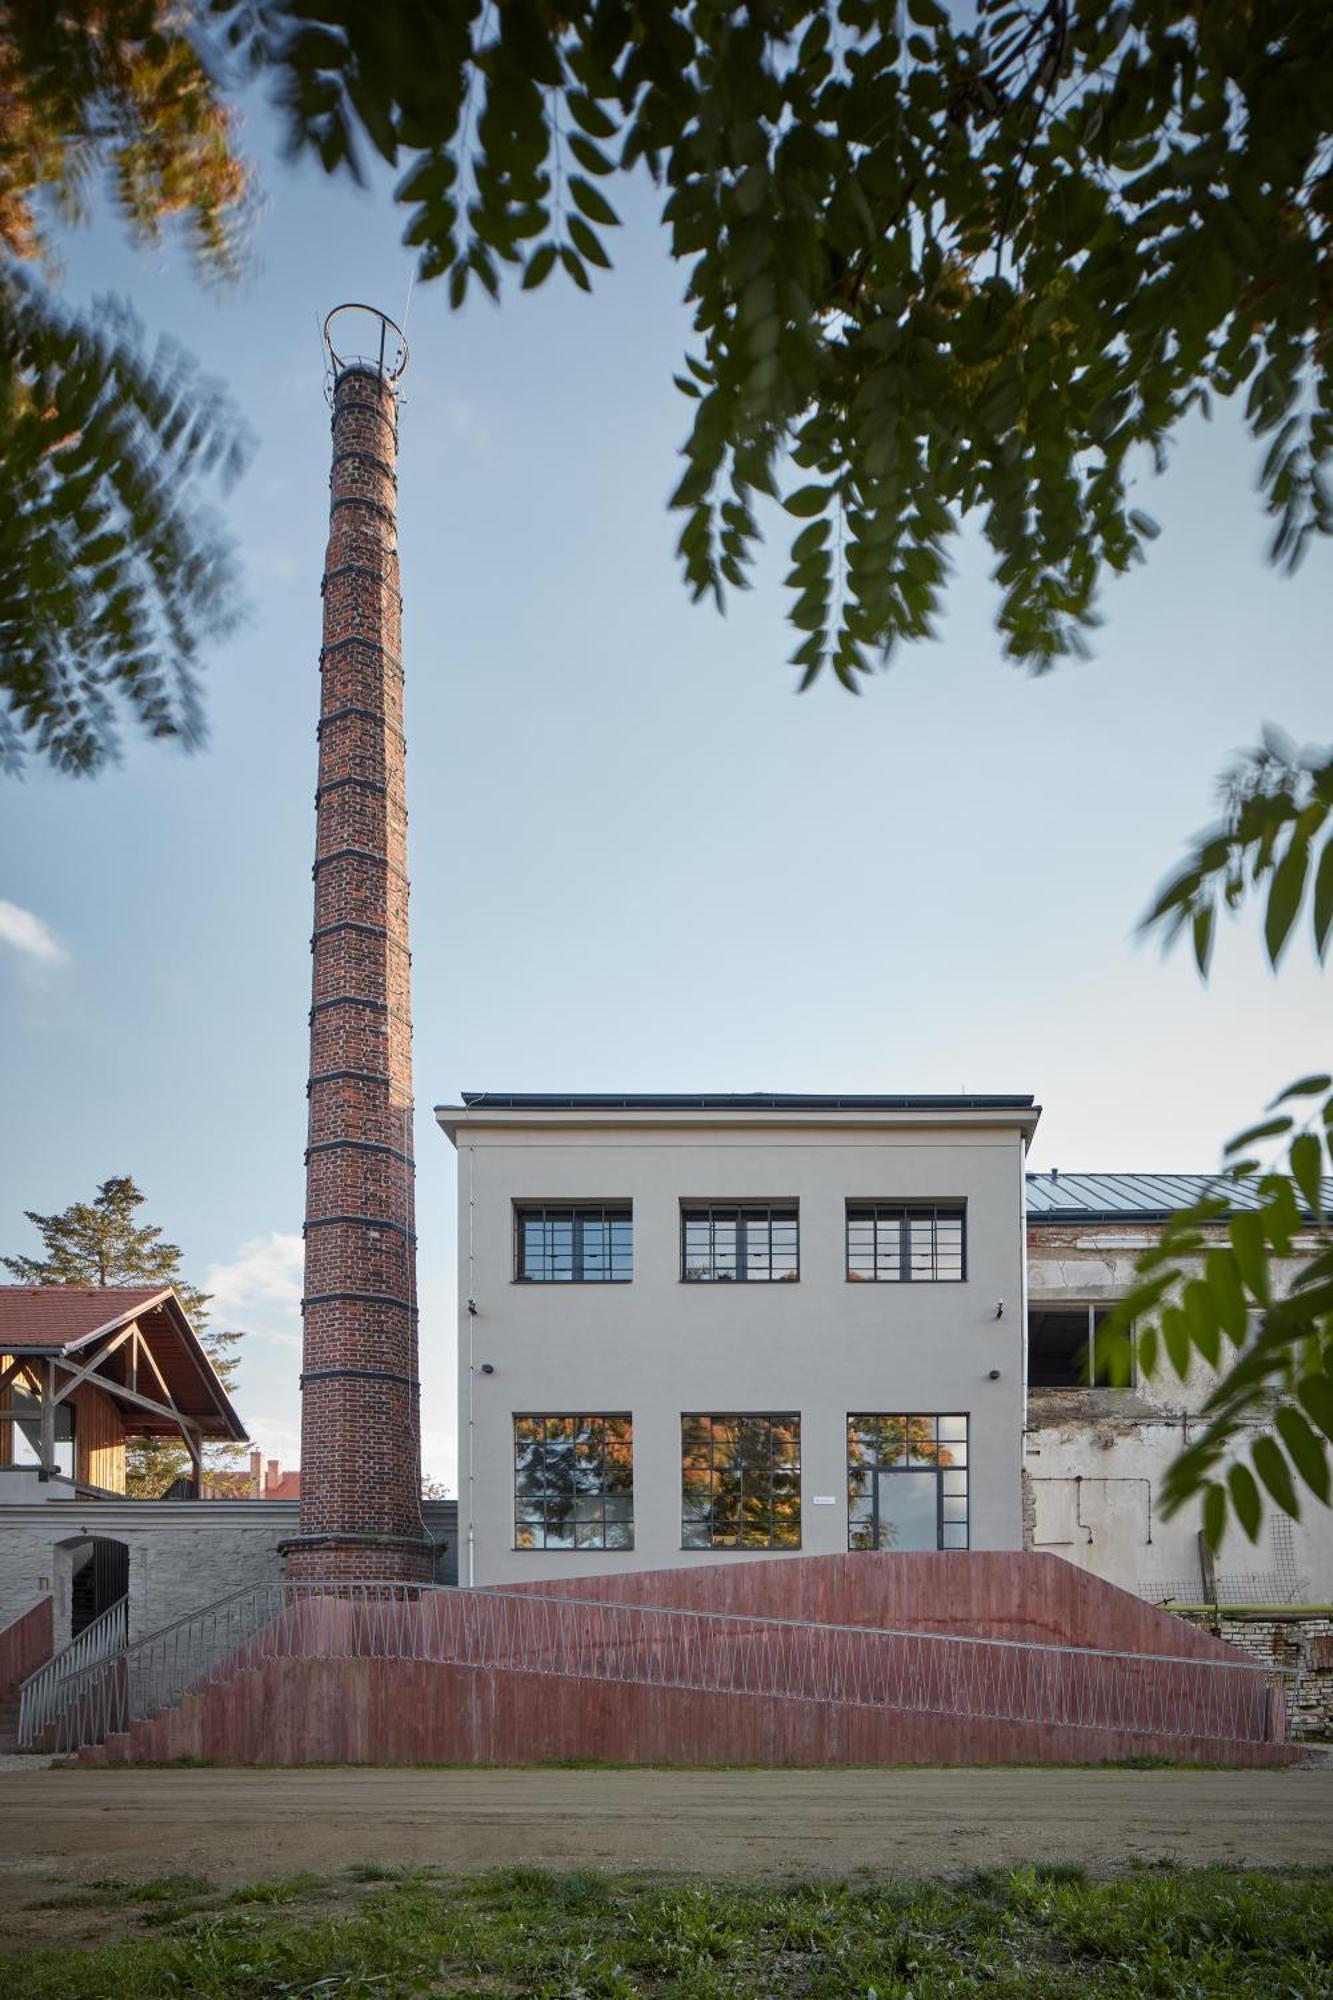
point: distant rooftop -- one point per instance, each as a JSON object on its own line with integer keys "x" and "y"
{"x": 755, "y": 1100}
{"x": 1061, "y": 1197}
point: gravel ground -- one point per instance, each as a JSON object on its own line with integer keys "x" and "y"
{"x": 63, "y": 1827}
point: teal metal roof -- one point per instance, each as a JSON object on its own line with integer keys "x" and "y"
{"x": 1061, "y": 1197}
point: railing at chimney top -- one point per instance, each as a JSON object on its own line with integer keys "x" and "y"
{"x": 709, "y": 1652}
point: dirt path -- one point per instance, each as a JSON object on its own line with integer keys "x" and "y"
{"x": 70, "y": 1826}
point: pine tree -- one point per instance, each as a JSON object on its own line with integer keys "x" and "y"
{"x": 101, "y": 1243}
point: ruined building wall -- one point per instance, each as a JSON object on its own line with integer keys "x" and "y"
{"x": 1095, "y": 1458}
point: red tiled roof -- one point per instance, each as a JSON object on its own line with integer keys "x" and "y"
{"x": 63, "y": 1319}
{"x": 57, "y": 1315}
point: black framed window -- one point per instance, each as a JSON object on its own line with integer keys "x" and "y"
{"x": 573, "y": 1482}
{"x": 579, "y": 1246}
{"x": 907, "y": 1243}
{"x": 750, "y": 1242}
{"x": 1065, "y": 1350}
{"x": 741, "y": 1481}
{"x": 907, "y": 1482}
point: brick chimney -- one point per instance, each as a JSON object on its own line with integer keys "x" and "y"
{"x": 360, "y": 1426}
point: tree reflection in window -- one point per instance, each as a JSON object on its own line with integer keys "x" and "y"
{"x": 573, "y": 1482}
{"x": 907, "y": 1482}
{"x": 741, "y": 1482}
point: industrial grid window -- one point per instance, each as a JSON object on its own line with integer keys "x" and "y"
{"x": 907, "y": 1482}
{"x": 579, "y": 1246}
{"x": 741, "y": 1482}
{"x": 573, "y": 1482}
{"x": 906, "y": 1243}
{"x": 753, "y": 1243}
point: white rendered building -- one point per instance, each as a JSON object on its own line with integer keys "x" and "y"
{"x": 701, "y": 1328}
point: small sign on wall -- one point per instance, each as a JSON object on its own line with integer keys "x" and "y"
{"x": 823, "y": 1499}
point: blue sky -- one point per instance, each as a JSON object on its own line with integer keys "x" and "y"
{"x": 639, "y": 861}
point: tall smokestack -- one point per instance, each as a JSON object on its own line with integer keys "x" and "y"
{"x": 360, "y": 1425}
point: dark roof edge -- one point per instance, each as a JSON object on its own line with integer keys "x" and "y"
{"x": 759, "y": 1100}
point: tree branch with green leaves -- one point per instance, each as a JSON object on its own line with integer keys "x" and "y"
{"x": 113, "y": 573}
{"x": 984, "y": 267}
{"x": 944, "y": 263}
{"x": 1243, "y": 1280}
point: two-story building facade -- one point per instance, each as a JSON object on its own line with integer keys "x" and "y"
{"x": 700, "y": 1328}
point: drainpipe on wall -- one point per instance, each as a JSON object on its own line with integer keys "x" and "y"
{"x": 471, "y": 1374}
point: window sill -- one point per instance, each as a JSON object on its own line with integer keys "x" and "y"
{"x": 724, "y": 1549}
{"x": 627, "y": 1549}
{"x": 564, "y": 1284}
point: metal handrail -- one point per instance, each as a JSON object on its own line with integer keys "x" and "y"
{"x": 660, "y": 1646}
{"x": 40, "y": 1695}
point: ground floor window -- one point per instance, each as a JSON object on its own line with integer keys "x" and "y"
{"x": 573, "y": 1482}
{"x": 741, "y": 1482}
{"x": 907, "y": 1482}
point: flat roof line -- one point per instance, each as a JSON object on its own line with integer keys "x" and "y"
{"x": 758, "y": 1100}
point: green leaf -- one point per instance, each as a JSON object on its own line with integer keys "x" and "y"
{"x": 1309, "y": 1086}
{"x": 587, "y": 242}
{"x": 1214, "y": 1515}
{"x": 590, "y": 157}
{"x": 810, "y": 540}
{"x": 1272, "y": 1128}
{"x": 539, "y": 267}
{"x": 593, "y": 202}
{"x": 1315, "y": 1392}
{"x": 1271, "y": 1465}
{"x": 1323, "y": 899}
{"x": 1307, "y": 1160}
{"x": 928, "y": 13}
{"x": 807, "y": 500}
{"x": 1148, "y": 1343}
{"x": 1246, "y": 1231}
{"x": 1223, "y": 1277}
{"x": 1245, "y": 1499}
{"x": 590, "y": 115}
{"x": 574, "y": 265}
{"x": 1176, "y": 1339}
{"x": 1202, "y": 927}
{"x": 1284, "y": 897}
{"x": 1305, "y": 1449}
{"x": 1204, "y": 1318}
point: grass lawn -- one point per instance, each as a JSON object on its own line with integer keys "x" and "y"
{"x": 379, "y": 1934}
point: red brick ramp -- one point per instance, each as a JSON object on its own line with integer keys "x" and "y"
{"x": 25, "y": 1644}
{"x": 989, "y": 1659}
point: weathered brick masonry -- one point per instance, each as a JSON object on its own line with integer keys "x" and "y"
{"x": 360, "y": 1427}
{"x": 1299, "y": 1639}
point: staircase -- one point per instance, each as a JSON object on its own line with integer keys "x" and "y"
{"x": 50, "y": 1701}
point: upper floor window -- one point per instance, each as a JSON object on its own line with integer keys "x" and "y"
{"x": 573, "y": 1482}
{"x": 1065, "y": 1348}
{"x": 741, "y": 1482}
{"x": 578, "y": 1246}
{"x": 901, "y": 1243}
{"x": 751, "y": 1242}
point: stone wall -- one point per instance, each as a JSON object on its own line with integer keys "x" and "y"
{"x": 183, "y": 1553}
{"x": 1301, "y": 1640}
